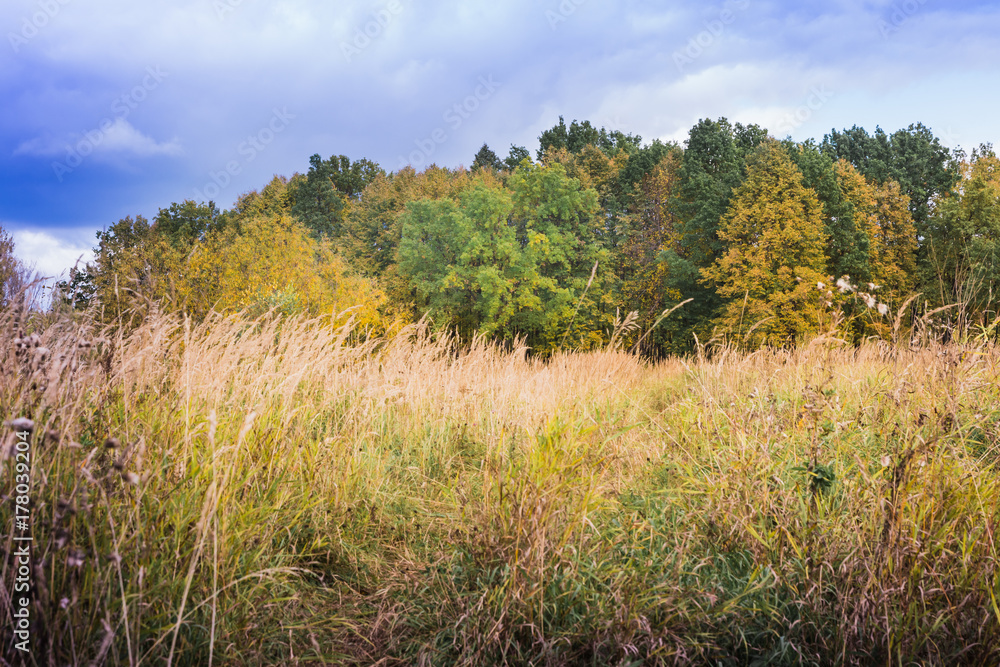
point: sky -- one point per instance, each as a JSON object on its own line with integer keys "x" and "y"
{"x": 113, "y": 108}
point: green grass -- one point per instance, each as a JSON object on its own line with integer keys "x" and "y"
{"x": 300, "y": 498}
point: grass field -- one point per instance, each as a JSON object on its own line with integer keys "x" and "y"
{"x": 280, "y": 492}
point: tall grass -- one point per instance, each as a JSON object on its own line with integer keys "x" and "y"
{"x": 280, "y": 491}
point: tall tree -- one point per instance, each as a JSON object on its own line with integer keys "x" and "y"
{"x": 486, "y": 159}
{"x": 512, "y": 263}
{"x": 515, "y": 156}
{"x": 964, "y": 251}
{"x": 182, "y": 225}
{"x": 322, "y": 198}
{"x": 774, "y": 257}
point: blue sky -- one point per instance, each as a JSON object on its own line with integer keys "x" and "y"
{"x": 115, "y": 108}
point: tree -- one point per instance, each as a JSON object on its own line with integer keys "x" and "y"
{"x": 272, "y": 263}
{"x": 322, "y": 198}
{"x": 654, "y": 230}
{"x": 774, "y": 258}
{"x": 710, "y": 169}
{"x": 134, "y": 266}
{"x": 183, "y": 224}
{"x": 509, "y": 263}
{"x": 14, "y": 275}
{"x": 964, "y": 249}
{"x": 486, "y": 159}
{"x": 579, "y": 134}
{"x": 273, "y": 200}
{"x": 893, "y": 244}
{"x": 913, "y": 157}
{"x": 516, "y": 155}
{"x": 847, "y": 201}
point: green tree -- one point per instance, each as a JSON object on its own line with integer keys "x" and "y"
{"x": 183, "y": 224}
{"x": 486, "y": 159}
{"x": 511, "y": 263}
{"x": 579, "y": 134}
{"x": 515, "y": 156}
{"x": 133, "y": 266}
{"x": 322, "y": 198}
{"x": 774, "y": 258}
{"x": 711, "y": 167}
{"x": 964, "y": 251}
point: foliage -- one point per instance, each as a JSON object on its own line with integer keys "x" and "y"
{"x": 964, "y": 251}
{"x": 510, "y": 263}
{"x": 14, "y": 275}
{"x": 902, "y": 220}
{"x": 775, "y": 237}
{"x": 322, "y": 199}
{"x": 486, "y": 159}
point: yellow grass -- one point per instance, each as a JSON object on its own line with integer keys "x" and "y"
{"x": 305, "y": 496}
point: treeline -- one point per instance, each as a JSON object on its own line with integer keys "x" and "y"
{"x": 757, "y": 240}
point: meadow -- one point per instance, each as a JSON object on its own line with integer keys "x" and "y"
{"x": 284, "y": 491}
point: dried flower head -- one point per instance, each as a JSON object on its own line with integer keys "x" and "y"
{"x": 21, "y": 424}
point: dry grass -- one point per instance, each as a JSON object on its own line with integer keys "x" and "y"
{"x": 278, "y": 491}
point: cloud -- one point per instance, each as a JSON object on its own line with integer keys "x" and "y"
{"x": 116, "y": 137}
{"x": 49, "y": 254}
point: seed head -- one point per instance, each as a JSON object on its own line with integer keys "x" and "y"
{"x": 21, "y": 424}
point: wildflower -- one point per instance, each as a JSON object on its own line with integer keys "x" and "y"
{"x": 883, "y": 309}
{"x": 868, "y": 299}
{"x": 844, "y": 285}
{"x": 820, "y": 286}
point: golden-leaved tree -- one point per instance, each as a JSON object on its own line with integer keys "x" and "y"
{"x": 774, "y": 256}
{"x": 272, "y": 263}
{"x": 883, "y": 212}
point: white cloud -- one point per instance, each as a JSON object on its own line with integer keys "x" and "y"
{"x": 51, "y": 255}
{"x": 116, "y": 137}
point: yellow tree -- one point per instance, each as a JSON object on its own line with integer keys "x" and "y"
{"x": 774, "y": 238}
{"x": 273, "y": 263}
{"x": 894, "y": 243}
